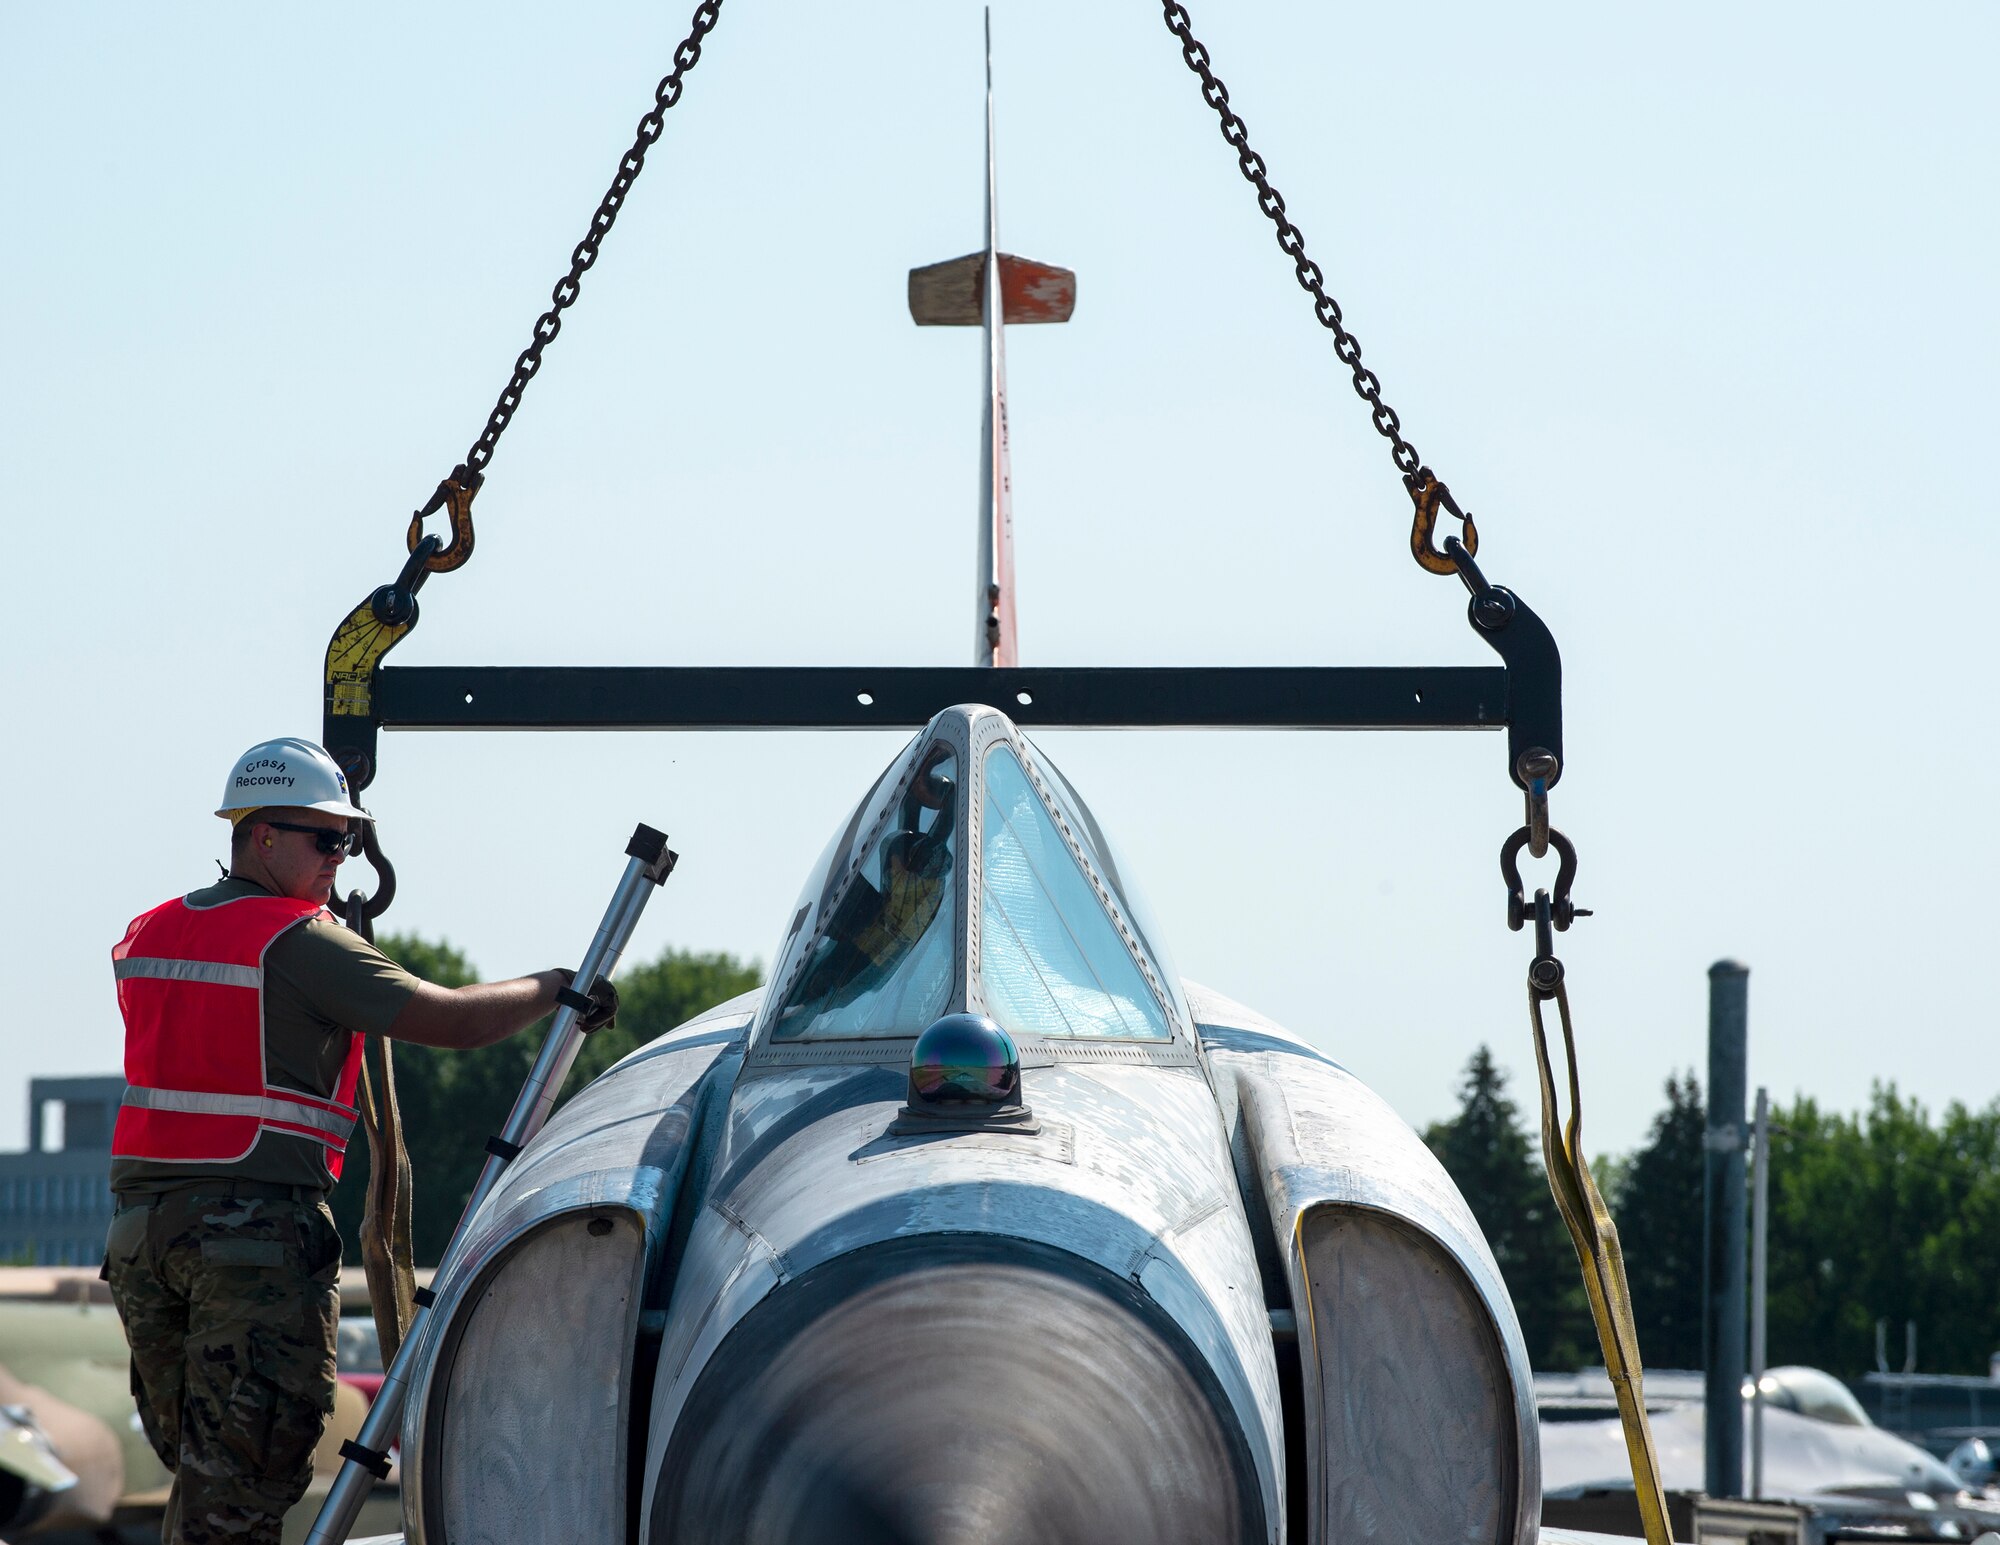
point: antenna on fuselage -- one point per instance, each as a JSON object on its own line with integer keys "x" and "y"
{"x": 988, "y": 289}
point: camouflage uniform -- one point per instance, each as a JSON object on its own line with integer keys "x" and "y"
{"x": 225, "y": 1272}
{"x": 229, "y": 1295}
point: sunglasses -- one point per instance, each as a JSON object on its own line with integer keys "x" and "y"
{"x": 328, "y": 839}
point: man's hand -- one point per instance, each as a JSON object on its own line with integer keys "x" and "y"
{"x": 603, "y": 1011}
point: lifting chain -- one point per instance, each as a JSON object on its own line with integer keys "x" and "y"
{"x": 549, "y": 323}
{"x": 454, "y": 495}
{"x": 380, "y": 622}
{"x": 1536, "y": 770}
{"x": 1426, "y": 492}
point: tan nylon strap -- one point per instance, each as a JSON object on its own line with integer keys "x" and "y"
{"x": 327, "y": 1125}
{"x": 213, "y": 972}
{"x": 1597, "y": 1251}
{"x": 385, "y": 1214}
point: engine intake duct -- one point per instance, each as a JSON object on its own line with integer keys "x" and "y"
{"x": 946, "y": 1390}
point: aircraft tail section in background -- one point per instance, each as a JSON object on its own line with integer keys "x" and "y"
{"x": 988, "y": 289}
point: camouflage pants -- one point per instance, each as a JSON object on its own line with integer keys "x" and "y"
{"x": 229, "y": 1307}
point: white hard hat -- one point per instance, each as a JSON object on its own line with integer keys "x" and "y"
{"x": 288, "y": 772}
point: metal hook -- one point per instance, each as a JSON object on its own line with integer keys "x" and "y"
{"x": 454, "y": 497}
{"x": 359, "y": 911}
{"x": 1428, "y": 494}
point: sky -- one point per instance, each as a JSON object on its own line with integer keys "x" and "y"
{"x": 1692, "y": 307}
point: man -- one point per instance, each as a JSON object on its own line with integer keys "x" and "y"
{"x": 244, "y": 1007}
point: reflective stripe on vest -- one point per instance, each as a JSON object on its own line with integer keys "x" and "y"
{"x": 273, "y": 1105}
{"x": 187, "y": 971}
{"x": 191, "y": 990}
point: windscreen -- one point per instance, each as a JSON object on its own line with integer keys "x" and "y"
{"x": 1105, "y": 856}
{"x": 882, "y": 965}
{"x": 1051, "y": 962}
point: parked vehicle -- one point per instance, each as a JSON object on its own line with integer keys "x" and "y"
{"x": 1820, "y": 1450}
{"x": 64, "y": 1376}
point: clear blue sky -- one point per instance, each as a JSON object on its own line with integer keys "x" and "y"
{"x": 1693, "y": 307}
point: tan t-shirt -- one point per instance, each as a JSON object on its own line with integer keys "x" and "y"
{"x": 321, "y": 981}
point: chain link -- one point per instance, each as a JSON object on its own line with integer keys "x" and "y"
{"x": 549, "y": 323}
{"x": 394, "y": 606}
{"x": 1293, "y": 244}
{"x": 1577, "y": 1197}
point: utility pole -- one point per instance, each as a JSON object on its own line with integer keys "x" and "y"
{"x": 1760, "y": 1239}
{"x": 1724, "y": 1226}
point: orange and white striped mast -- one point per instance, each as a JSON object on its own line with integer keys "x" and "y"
{"x": 995, "y": 641}
{"x": 992, "y": 288}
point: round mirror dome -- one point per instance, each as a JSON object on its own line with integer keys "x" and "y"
{"x": 965, "y": 1059}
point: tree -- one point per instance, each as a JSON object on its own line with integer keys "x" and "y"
{"x": 452, "y": 1101}
{"x": 654, "y": 998}
{"x": 1658, "y": 1211}
{"x": 425, "y": 1083}
{"x": 1883, "y": 1215}
{"x": 1487, "y": 1153}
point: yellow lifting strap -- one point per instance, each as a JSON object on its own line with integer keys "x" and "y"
{"x": 385, "y": 1214}
{"x": 1597, "y": 1251}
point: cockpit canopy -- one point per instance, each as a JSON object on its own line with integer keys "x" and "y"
{"x": 1810, "y": 1392}
{"x": 881, "y": 961}
{"x": 970, "y": 879}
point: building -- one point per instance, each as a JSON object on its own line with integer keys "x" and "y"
{"x": 55, "y": 1199}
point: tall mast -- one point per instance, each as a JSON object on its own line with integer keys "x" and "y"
{"x": 994, "y": 640}
{"x": 989, "y": 289}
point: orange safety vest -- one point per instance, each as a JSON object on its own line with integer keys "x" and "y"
{"x": 191, "y": 988}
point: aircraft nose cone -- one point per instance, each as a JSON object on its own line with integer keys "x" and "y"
{"x": 932, "y": 1392}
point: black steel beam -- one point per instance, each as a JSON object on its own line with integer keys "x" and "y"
{"x": 504, "y": 697}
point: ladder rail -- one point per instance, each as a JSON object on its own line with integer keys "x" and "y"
{"x": 649, "y": 862}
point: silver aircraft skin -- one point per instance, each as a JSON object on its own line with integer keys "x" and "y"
{"x": 1209, "y": 1287}
{"x": 1196, "y": 1285}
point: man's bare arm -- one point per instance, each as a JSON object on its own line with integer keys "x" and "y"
{"x": 462, "y": 1018}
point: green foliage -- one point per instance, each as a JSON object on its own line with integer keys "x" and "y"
{"x": 1885, "y": 1215}
{"x": 654, "y": 998}
{"x": 452, "y": 1101}
{"x": 1486, "y": 1150}
{"x": 426, "y": 1082}
{"x": 1612, "y": 1172}
{"x": 434, "y": 960}
{"x": 1658, "y": 1208}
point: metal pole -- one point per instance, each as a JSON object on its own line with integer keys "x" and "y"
{"x": 650, "y": 863}
{"x": 1760, "y": 1231}
{"x": 1724, "y": 1226}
